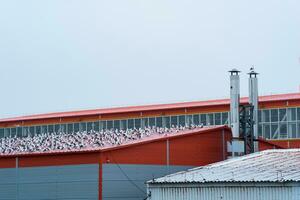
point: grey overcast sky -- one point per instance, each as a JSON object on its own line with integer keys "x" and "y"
{"x": 59, "y": 55}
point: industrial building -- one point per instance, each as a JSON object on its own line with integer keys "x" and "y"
{"x": 278, "y": 117}
{"x": 109, "y": 173}
{"x": 266, "y": 175}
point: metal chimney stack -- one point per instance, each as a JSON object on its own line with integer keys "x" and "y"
{"x": 235, "y": 102}
{"x": 253, "y": 99}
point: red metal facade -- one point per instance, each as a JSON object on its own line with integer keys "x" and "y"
{"x": 193, "y": 148}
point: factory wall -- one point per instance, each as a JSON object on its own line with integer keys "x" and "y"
{"x": 108, "y": 173}
{"x": 225, "y": 191}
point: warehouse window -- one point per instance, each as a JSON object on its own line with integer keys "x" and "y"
{"x": 19, "y": 131}
{"x": 1, "y": 132}
{"x": 283, "y": 130}
{"x": 166, "y": 122}
{"x": 70, "y": 128}
{"x": 57, "y": 128}
{"x": 137, "y": 123}
{"x": 266, "y": 130}
{"x": 282, "y": 115}
{"x": 174, "y": 121}
{"x": 76, "y": 127}
{"x": 13, "y": 132}
{"x": 274, "y": 115}
{"x": 260, "y": 130}
{"x": 266, "y": 115}
{"x": 196, "y": 119}
{"x": 203, "y": 119}
{"x": 63, "y": 128}
{"x": 218, "y": 119}
{"x": 44, "y": 129}
{"x": 38, "y": 130}
{"x": 90, "y": 126}
{"x": 274, "y": 131}
{"x": 123, "y": 124}
{"x": 130, "y": 123}
{"x": 50, "y": 129}
{"x": 292, "y": 114}
{"x": 117, "y": 124}
{"x": 292, "y": 130}
{"x": 259, "y": 116}
{"x": 189, "y": 120}
{"x": 182, "y": 120}
{"x": 210, "y": 119}
{"x": 82, "y": 126}
{"x": 145, "y": 122}
{"x": 32, "y": 130}
{"x": 152, "y": 122}
{"x": 109, "y": 125}
{"x": 225, "y": 118}
{"x": 159, "y": 121}
{"x": 298, "y": 114}
{"x": 102, "y": 125}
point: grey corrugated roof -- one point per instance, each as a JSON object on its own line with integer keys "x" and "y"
{"x": 266, "y": 166}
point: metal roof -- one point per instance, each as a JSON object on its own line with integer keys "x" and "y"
{"x": 266, "y": 166}
{"x": 219, "y": 102}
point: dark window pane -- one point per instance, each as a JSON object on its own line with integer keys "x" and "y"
{"x": 266, "y": 130}
{"x": 218, "y": 119}
{"x": 292, "y": 130}
{"x": 124, "y": 124}
{"x": 19, "y": 132}
{"x": 76, "y": 127}
{"x": 38, "y": 130}
{"x": 196, "y": 119}
{"x": 117, "y": 124}
{"x": 82, "y": 126}
{"x": 103, "y": 125}
{"x": 159, "y": 121}
{"x": 298, "y": 130}
{"x": 152, "y": 122}
{"x": 174, "y": 121}
{"x": 266, "y": 115}
{"x": 26, "y": 131}
{"x": 203, "y": 119}
{"x": 225, "y": 118}
{"x": 292, "y": 114}
{"x": 166, "y": 122}
{"x": 7, "y": 132}
{"x": 50, "y": 129}
{"x": 282, "y": 115}
{"x": 70, "y": 128}
{"x": 189, "y": 120}
{"x": 109, "y": 125}
{"x": 259, "y": 116}
{"x": 182, "y": 120}
{"x": 130, "y": 123}
{"x": 57, "y": 128}
{"x": 137, "y": 123}
{"x": 145, "y": 122}
{"x": 44, "y": 129}
{"x": 96, "y": 126}
{"x": 274, "y": 115}
{"x": 260, "y": 131}
{"x": 1, "y": 132}
{"x": 13, "y": 132}
{"x": 283, "y": 130}
{"x": 210, "y": 119}
{"x": 90, "y": 126}
{"x": 31, "y": 130}
{"x": 63, "y": 128}
{"x": 274, "y": 130}
{"x": 298, "y": 114}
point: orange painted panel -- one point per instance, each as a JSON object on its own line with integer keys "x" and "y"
{"x": 150, "y": 153}
{"x": 200, "y": 149}
{"x": 8, "y": 163}
{"x": 64, "y": 159}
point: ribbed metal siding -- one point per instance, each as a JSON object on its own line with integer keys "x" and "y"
{"x": 258, "y": 192}
{"x": 128, "y": 181}
{"x": 76, "y": 182}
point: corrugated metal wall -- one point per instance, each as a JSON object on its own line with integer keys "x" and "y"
{"x": 259, "y": 191}
{"x": 74, "y": 182}
{"x": 128, "y": 181}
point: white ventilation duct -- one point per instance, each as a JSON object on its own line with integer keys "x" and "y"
{"x": 253, "y": 99}
{"x": 235, "y": 102}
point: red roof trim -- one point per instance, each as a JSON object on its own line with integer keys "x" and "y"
{"x": 126, "y": 145}
{"x": 218, "y": 102}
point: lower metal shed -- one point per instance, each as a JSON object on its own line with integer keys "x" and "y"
{"x": 111, "y": 173}
{"x": 266, "y": 175}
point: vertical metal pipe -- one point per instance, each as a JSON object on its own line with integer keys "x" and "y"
{"x": 235, "y": 102}
{"x": 253, "y": 98}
